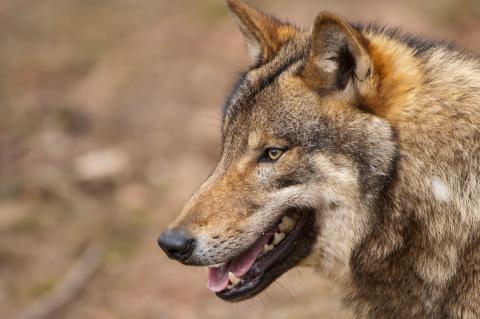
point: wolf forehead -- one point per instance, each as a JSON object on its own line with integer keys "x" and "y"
{"x": 259, "y": 77}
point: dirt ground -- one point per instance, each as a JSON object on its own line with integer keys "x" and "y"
{"x": 109, "y": 120}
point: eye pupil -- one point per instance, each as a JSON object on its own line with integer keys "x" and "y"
{"x": 274, "y": 153}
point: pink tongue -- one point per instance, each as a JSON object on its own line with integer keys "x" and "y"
{"x": 218, "y": 276}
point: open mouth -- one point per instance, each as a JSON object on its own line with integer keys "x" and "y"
{"x": 275, "y": 252}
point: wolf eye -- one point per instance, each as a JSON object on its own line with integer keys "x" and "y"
{"x": 271, "y": 154}
{"x": 274, "y": 153}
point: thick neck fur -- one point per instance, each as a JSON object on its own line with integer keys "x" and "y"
{"x": 422, "y": 258}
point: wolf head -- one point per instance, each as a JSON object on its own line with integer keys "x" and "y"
{"x": 305, "y": 159}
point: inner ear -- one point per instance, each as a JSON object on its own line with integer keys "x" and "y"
{"x": 338, "y": 55}
{"x": 346, "y": 67}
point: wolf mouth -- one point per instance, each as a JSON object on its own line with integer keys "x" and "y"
{"x": 276, "y": 251}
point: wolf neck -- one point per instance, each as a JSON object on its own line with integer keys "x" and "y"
{"x": 418, "y": 257}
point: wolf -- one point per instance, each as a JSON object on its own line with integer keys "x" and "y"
{"x": 353, "y": 149}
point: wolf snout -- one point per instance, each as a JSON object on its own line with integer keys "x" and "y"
{"x": 177, "y": 244}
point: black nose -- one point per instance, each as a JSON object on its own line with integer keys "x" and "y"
{"x": 176, "y": 244}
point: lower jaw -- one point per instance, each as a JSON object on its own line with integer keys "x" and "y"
{"x": 258, "y": 280}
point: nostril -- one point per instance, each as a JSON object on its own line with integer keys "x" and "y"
{"x": 177, "y": 244}
{"x": 185, "y": 248}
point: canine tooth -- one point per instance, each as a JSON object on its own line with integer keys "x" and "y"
{"x": 230, "y": 286}
{"x": 283, "y": 228}
{"x": 267, "y": 248}
{"x": 287, "y": 224}
{"x": 288, "y": 220}
{"x": 233, "y": 279}
{"x": 278, "y": 237}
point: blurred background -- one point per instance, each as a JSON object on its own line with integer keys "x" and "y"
{"x": 109, "y": 120}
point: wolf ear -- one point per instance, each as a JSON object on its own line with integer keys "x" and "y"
{"x": 264, "y": 34}
{"x": 338, "y": 56}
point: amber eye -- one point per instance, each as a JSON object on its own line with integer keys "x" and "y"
{"x": 274, "y": 153}
{"x": 271, "y": 154}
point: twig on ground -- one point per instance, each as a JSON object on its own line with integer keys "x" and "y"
{"x": 70, "y": 286}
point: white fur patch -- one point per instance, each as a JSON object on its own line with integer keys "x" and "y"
{"x": 327, "y": 65}
{"x": 440, "y": 189}
{"x": 254, "y": 49}
{"x": 253, "y": 139}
